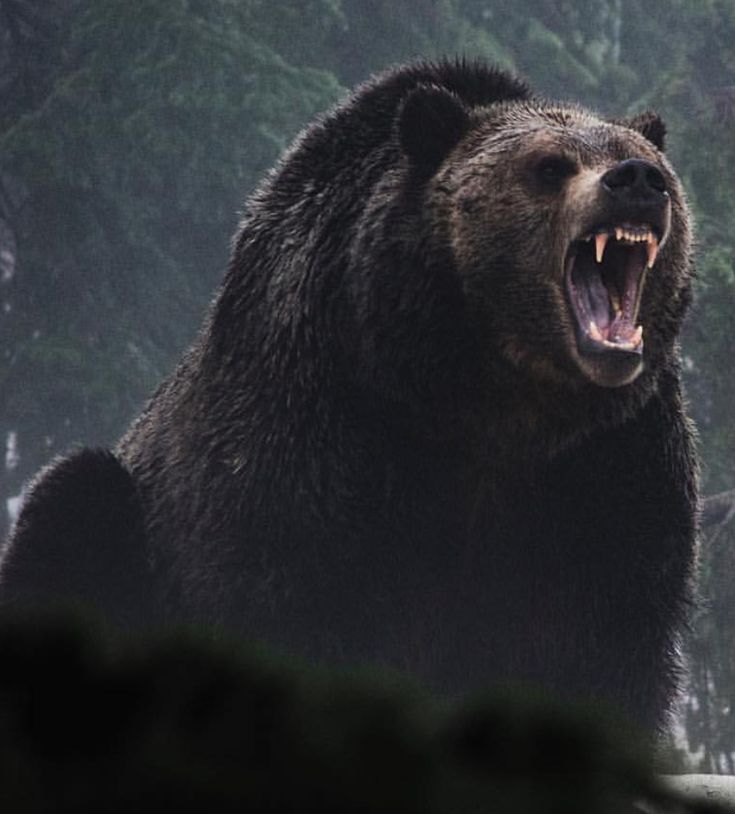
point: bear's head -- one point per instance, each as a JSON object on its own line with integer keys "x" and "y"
{"x": 569, "y": 234}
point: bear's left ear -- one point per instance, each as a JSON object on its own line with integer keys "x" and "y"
{"x": 650, "y": 125}
{"x": 430, "y": 121}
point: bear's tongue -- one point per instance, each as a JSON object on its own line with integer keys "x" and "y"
{"x": 604, "y": 276}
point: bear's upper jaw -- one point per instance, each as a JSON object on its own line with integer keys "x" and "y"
{"x": 605, "y": 272}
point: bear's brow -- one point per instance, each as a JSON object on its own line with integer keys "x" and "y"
{"x": 578, "y": 144}
{"x": 588, "y": 140}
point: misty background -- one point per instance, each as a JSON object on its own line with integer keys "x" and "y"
{"x": 131, "y": 133}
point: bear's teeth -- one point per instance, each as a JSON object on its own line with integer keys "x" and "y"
{"x": 601, "y": 239}
{"x": 630, "y": 343}
{"x": 615, "y": 300}
{"x": 621, "y": 233}
{"x": 652, "y": 249}
{"x": 594, "y": 332}
{"x": 632, "y": 234}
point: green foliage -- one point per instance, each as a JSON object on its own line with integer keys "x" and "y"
{"x": 132, "y": 170}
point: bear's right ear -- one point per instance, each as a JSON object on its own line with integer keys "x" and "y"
{"x": 430, "y": 122}
{"x": 650, "y": 125}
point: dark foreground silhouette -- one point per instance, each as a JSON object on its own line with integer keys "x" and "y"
{"x": 178, "y": 723}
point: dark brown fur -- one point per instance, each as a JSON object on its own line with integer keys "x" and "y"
{"x": 384, "y": 445}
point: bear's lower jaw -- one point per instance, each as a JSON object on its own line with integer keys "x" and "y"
{"x": 608, "y": 363}
{"x": 614, "y": 368}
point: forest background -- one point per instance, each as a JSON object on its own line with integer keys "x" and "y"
{"x": 131, "y": 132}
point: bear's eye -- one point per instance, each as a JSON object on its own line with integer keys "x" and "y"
{"x": 551, "y": 170}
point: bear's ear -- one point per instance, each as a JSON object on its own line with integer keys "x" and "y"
{"x": 430, "y": 122}
{"x": 650, "y": 125}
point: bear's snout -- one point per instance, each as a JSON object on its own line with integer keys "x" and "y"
{"x": 635, "y": 179}
{"x": 635, "y": 191}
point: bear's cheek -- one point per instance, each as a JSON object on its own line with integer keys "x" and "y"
{"x": 513, "y": 299}
{"x": 667, "y": 288}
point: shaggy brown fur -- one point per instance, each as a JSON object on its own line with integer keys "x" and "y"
{"x": 397, "y": 438}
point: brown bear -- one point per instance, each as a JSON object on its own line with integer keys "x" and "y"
{"x": 433, "y": 419}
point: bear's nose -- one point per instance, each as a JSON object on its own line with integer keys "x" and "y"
{"x": 634, "y": 178}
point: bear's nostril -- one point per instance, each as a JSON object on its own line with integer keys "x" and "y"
{"x": 634, "y": 175}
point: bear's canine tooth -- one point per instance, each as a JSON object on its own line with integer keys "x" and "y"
{"x": 601, "y": 239}
{"x": 637, "y": 337}
{"x": 652, "y": 249}
{"x": 594, "y": 332}
{"x": 615, "y": 300}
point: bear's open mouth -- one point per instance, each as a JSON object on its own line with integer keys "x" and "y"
{"x": 605, "y": 272}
